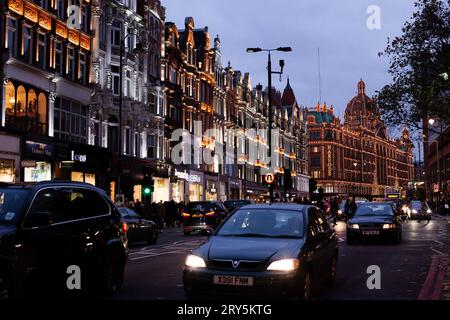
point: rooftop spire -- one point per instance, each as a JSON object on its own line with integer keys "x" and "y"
{"x": 361, "y": 87}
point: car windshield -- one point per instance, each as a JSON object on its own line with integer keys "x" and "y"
{"x": 417, "y": 205}
{"x": 374, "y": 210}
{"x": 12, "y": 202}
{"x": 128, "y": 214}
{"x": 264, "y": 223}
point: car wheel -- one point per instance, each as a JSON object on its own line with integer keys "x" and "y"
{"x": 332, "y": 273}
{"x": 112, "y": 274}
{"x": 153, "y": 239}
{"x": 4, "y": 287}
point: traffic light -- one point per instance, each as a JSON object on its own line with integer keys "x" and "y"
{"x": 147, "y": 191}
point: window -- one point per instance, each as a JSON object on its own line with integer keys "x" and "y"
{"x": 84, "y": 21}
{"x": 316, "y": 174}
{"x": 62, "y": 205}
{"x": 11, "y": 44}
{"x": 61, "y": 12}
{"x": 70, "y": 120}
{"x": 42, "y": 50}
{"x": 152, "y": 103}
{"x": 151, "y": 146}
{"x": 315, "y": 161}
{"x": 314, "y": 135}
{"x": 59, "y": 62}
{"x": 137, "y": 144}
{"x": 128, "y": 84}
{"x": 27, "y": 48}
{"x": 83, "y": 73}
{"x": 315, "y": 149}
{"x": 116, "y": 33}
{"x": 71, "y": 63}
{"x": 115, "y": 80}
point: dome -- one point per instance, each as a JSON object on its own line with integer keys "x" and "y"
{"x": 361, "y": 103}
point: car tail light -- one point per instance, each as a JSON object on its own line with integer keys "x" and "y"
{"x": 210, "y": 214}
{"x": 185, "y": 215}
{"x": 125, "y": 227}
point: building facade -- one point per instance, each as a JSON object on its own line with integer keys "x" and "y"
{"x": 357, "y": 157}
{"x": 46, "y": 91}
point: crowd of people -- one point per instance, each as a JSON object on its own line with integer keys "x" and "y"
{"x": 164, "y": 214}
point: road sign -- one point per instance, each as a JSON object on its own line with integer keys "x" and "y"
{"x": 269, "y": 178}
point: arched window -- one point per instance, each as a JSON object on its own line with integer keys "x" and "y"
{"x": 10, "y": 98}
{"x": 31, "y": 110}
{"x": 42, "y": 108}
{"x": 21, "y": 100}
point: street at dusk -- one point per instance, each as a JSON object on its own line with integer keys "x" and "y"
{"x": 207, "y": 151}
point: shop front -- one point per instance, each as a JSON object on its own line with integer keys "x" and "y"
{"x": 211, "y": 188}
{"x": 178, "y": 182}
{"x": 223, "y": 188}
{"x": 234, "y": 192}
{"x": 161, "y": 182}
{"x": 195, "y": 181}
{"x": 9, "y": 158}
{"x": 82, "y": 163}
{"x": 37, "y": 159}
{"x": 255, "y": 192}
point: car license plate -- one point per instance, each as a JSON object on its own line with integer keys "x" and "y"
{"x": 197, "y": 216}
{"x": 371, "y": 232}
{"x": 234, "y": 280}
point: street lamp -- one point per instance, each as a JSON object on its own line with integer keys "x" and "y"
{"x": 269, "y": 74}
{"x": 137, "y": 50}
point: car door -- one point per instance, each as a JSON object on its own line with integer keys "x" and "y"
{"x": 315, "y": 245}
{"x": 72, "y": 236}
{"x": 328, "y": 240}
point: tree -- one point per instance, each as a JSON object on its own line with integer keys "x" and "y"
{"x": 420, "y": 68}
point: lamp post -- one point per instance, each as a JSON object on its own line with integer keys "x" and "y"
{"x": 431, "y": 121}
{"x": 137, "y": 50}
{"x": 269, "y": 97}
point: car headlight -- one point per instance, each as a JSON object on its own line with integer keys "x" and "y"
{"x": 354, "y": 226}
{"x": 340, "y": 211}
{"x": 388, "y": 226}
{"x": 414, "y": 211}
{"x": 193, "y": 261}
{"x": 284, "y": 265}
{"x": 428, "y": 211}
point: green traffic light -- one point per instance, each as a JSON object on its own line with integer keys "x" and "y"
{"x": 147, "y": 191}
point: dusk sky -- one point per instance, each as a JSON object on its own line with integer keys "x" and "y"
{"x": 349, "y": 50}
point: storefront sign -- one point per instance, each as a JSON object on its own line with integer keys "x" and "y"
{"x": 330, "y": 161}
{"x": 188, "y": 177}
{"x": 39, "y": 149}
{"x": 28, "y": 163}
{"x": 79, "y": 157}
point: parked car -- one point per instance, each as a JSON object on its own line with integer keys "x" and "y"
{"x": 419, "y": 210}
{"x": 138, "y": 228}
{"x": 234, "y": 204}
{"x": 268, "y": 250}
{"x": 48, "y": 227}
{"x": 202, "y": 216}
{"x": 374, "y": 220}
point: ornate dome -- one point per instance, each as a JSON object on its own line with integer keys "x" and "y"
{"x": 361, "y": 103}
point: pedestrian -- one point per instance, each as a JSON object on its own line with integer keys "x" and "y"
{"x": 352, "y": 207}
{"x": 335, "y": 209}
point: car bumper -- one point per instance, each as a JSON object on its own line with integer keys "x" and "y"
{"x": 200, "y": 283}
{"x": 197, "y": 227}
{"x": 363, "y": 233}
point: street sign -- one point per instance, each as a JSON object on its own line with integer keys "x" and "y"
{"x": 269, "y": 178}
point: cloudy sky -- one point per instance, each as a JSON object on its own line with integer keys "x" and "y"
{"x": 348, "y": 49}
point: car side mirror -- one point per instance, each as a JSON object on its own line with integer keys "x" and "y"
{"x": 39, "y": 219}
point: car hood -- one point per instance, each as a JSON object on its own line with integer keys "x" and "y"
{"x": 243, "y": 248}
{"x": 372, "y": 219}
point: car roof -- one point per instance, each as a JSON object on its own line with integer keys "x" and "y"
{"x": 48, "y": 184}
{"x": 377, "y": 202}
{"x": 277, "y": 206}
